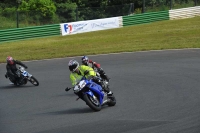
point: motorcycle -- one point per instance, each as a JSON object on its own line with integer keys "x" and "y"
{"x": 93, "y": 94}
{"x": 24, "y": 77}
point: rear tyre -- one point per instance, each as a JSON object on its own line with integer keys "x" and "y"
{"x": 112, "y": 101}
{"x": 34, "y": 81}
{"x": 93, "y": 103}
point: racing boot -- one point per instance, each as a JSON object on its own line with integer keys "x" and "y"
{"x": 110, "y": 93}
{"x": 103, "y": 74}
{"x": 105, "y": 77}
{"x": 106, "y": 89}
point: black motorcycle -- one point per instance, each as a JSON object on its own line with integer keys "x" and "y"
{"x": 23, "y": 77}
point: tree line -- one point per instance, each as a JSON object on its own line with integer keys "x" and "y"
{"x": 53, "y": 11}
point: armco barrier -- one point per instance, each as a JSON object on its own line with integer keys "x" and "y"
{"x": 29, "y": 32}
{"x": 145, "y": 18}
{"x": 184, "y": 13}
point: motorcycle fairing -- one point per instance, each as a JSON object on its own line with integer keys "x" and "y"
{"x": 95, "y": 88}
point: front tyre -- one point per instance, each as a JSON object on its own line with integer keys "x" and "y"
{"x": 34, "y": 81}
{"x": 92, "y": 102}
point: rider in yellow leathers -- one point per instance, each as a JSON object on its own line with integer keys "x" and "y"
{"x": 77, "y": 72}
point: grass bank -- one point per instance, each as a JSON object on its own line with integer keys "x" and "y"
{"x": 176, "y": 34}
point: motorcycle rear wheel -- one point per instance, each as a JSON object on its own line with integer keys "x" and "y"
{"x": 112, "y": 101}
{"x": 34, "y": 81}
{"x": 94, "y": 104}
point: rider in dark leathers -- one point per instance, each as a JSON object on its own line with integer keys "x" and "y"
{"x": 86, "y": 61}
{"x": 12, "y": 68}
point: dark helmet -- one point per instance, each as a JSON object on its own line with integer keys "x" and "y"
{"x": 10, "y": 60}
{"x": 73, "y": 65}
{"x": 85, "y": 60}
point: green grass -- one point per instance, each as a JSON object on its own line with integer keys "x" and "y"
{"x": 171, "y": 34}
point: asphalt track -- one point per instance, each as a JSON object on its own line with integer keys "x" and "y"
{"x": 156, "y": 92}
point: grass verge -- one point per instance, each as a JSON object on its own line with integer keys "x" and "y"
{"x": 171, "y": 34}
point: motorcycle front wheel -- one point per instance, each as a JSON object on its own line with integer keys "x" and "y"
{"x": 34, "y": 81}
{"x": 93, "y": 103}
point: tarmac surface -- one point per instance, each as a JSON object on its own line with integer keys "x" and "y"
{"x": 156, "y": 92}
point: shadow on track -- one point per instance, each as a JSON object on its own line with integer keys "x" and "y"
{"x": 15, "y": 87}
{"x": 70, "y": 111}
{"x": 73, "y": 111}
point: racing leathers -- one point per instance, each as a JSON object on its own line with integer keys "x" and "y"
{"x": 75, "y": 77}
{"x": 11, "y": 71}
{"x": 96, "y": 66}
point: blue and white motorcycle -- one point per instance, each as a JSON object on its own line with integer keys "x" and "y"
{"x": 93, "y": 94}
{"x": 24, "y": 77}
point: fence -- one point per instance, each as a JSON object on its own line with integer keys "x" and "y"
{"x": 12, "y": 18}
{"x": 50, "y": 30}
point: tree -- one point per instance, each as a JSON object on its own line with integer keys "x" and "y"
{"x": 66, "y": 10}
{"x": 45, "y": 8}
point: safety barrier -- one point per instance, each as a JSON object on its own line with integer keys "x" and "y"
{"x": 184, "y": 13}
{"x": 29, "y": 32}
{"x": 51, "y": 30}
{"x": 145, "y": 18}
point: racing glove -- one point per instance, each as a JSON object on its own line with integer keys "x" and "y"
{"x": 96, "y": 79}
{"x": 86, "y": 72}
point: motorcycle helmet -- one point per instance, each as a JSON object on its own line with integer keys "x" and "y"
{"x": 85, "y": 60}
{"x": 10, "y": 60}
{"x": 73, "y": 65}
